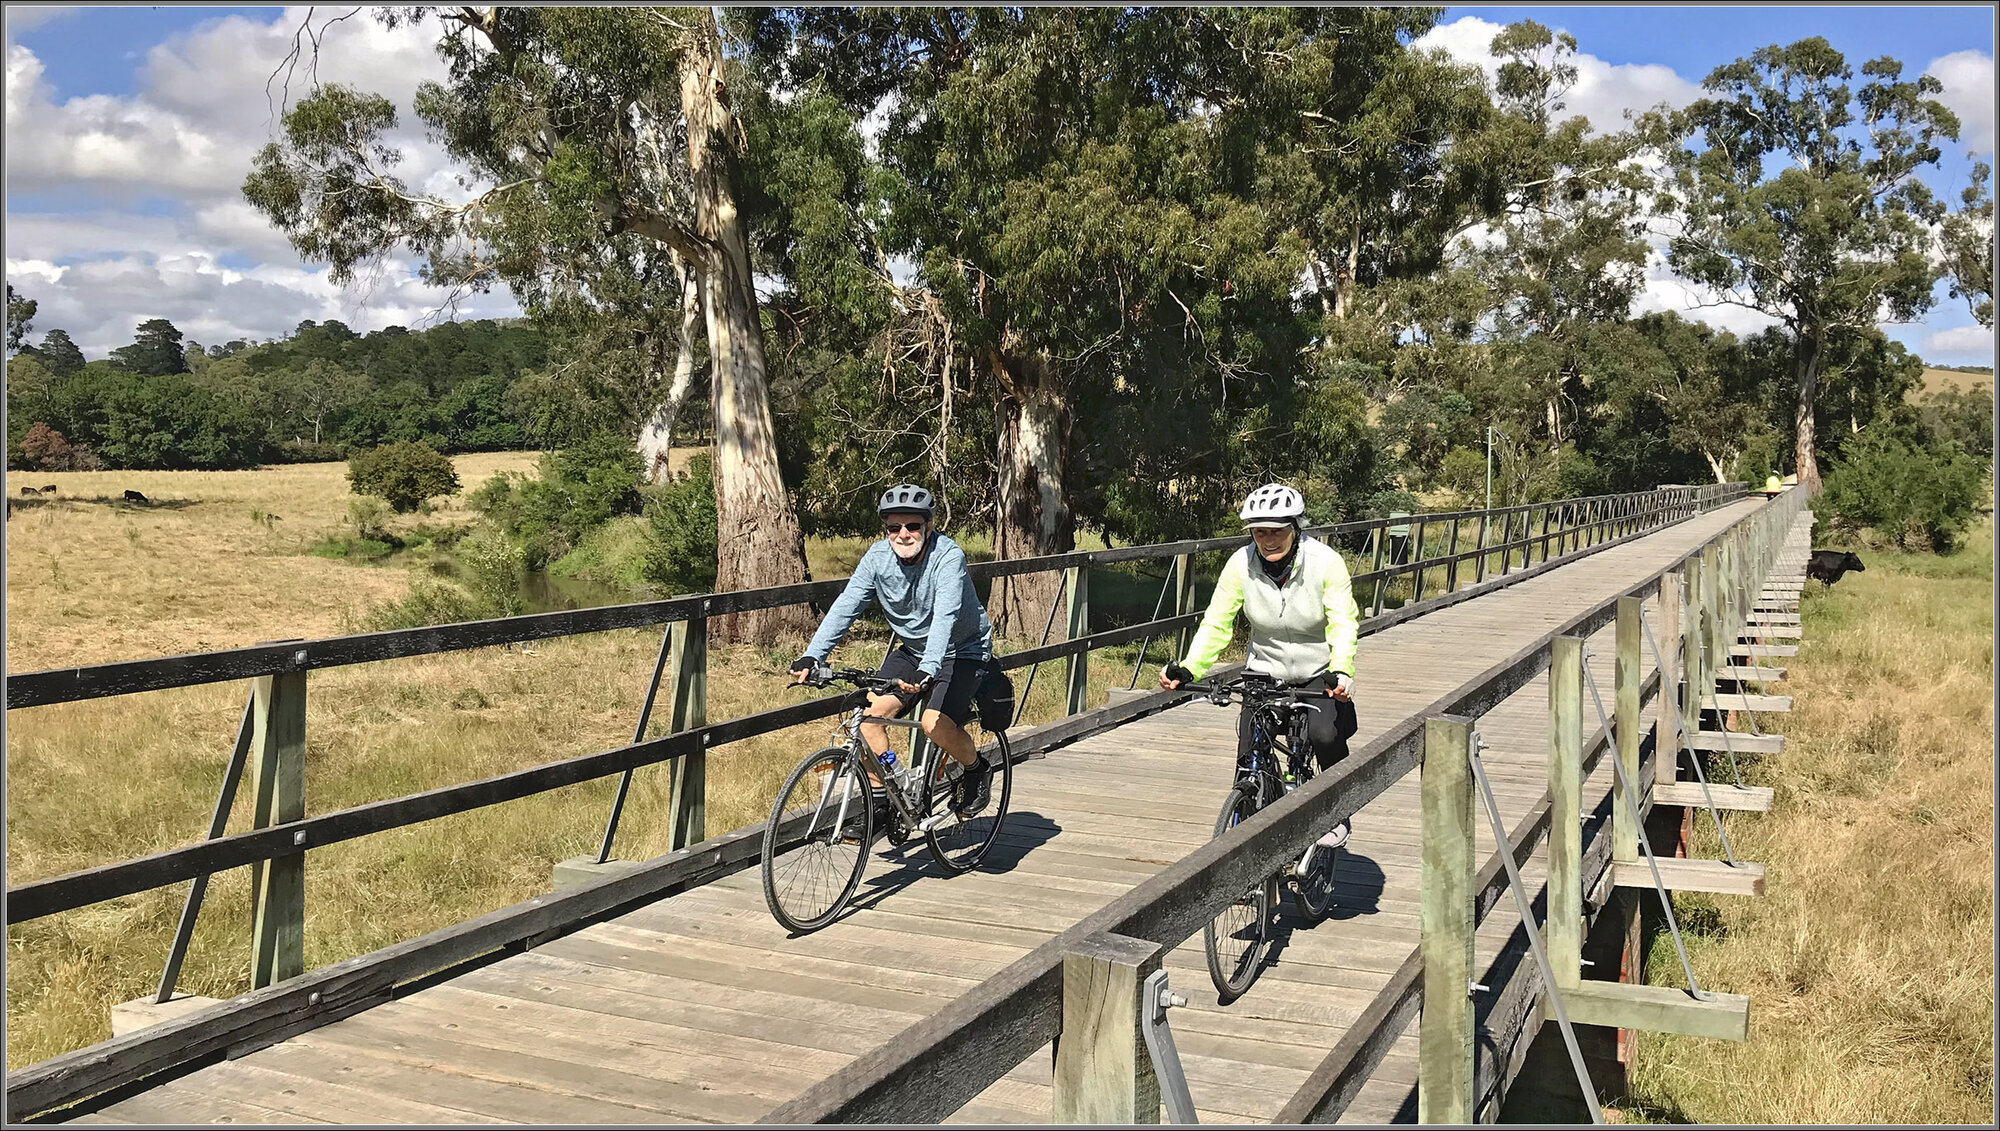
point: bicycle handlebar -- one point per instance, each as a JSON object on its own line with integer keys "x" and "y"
{"x": 860, "y": 677}
{"x": 1253, "y": 688}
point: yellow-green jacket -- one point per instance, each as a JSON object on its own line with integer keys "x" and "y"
{"x": 1300, "y": 628}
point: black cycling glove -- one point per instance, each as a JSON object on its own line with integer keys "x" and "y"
{"x": 1178, "y": 674}
{"x": 804, "y": 664}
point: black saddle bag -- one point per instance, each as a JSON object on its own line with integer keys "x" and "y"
{"x": 996, "y": 700}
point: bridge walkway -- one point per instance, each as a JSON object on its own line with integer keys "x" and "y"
{"x": 700, "y": 1008}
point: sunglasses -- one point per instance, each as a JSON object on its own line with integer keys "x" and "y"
{"x": 899, "y": 527}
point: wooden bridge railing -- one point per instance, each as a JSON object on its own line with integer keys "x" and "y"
{"x": 934, "y": 1067}
{"x": 1501, "y": 544}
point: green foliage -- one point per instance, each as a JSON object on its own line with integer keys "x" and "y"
{"x": 681, "y": 519}
{"x": 1908, "y": 490}
{"x": 576, "y": 490}
{"x": 59, "y": 353}
{"x": 405, "y": 474}
{"x": 1961, "y": 416}
{"x": 155, "y": 350}
{"x": 20, "y": 316}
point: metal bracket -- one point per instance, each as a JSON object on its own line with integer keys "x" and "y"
{"x": 1160, "y": 1047}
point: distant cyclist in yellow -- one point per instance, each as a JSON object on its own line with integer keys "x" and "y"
{"x": 1304, "y": 624}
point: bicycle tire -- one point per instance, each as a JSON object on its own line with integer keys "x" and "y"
{"x": 958, "y": 844}
{"x": 810, "y": 861}
{"x": 1236, "y": 940}
{"x": 1315, "y": 892}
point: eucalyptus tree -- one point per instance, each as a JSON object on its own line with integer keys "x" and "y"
{"x": 1055, "y": 185}
{"x": 1802, "y": 200}
{"x": 1968, "y": 246}
{"x": 594, "y": 128}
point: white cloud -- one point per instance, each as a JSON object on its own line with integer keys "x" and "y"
{"x": 1604, "y": 93}
{"x": 1968, "y": 92}
{"x": 1976, "y": 340}
{"x": 28, "y": 17}
{"x": 207, "y": 100}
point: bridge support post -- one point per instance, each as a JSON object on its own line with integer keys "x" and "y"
{"x": 1445, "y": 1034}
{"x": 1690, "y": 631}
{"x": 1078, "y": 669}
{"x": 278, "y": 792}
{"x": 1625, "y": 725}
{"x": 1183, "y": 599}
{"x": 1565, "y": 875}
{"x": 687, "y": 800}
{"x": 1666, "y": 728}
{"x": 1103, "y": 1073}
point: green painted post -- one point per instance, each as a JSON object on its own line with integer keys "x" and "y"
{"x": 1691, "y": 638}
{"x": 1381, "y": 536}
{"x": 1079, "y": 627}
{"x": 687, "y": 800}
{"x": 1625, "y": 721}
{"x": 278, "y": 790}
{"x": 1565, "y": 907}
{"x": 1445, "y": 1034}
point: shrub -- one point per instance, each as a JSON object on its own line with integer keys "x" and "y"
{"x": 577, "y": 490}
{"x": 405, "y": 474}
{"x": 1910, "y": 491}
{"x": 681, "y": 520}
{"x": 45, "y": 449}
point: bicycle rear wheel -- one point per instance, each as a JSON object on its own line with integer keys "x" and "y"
{"x": 1315, "y": 886}
{"x": 816, "y": 842}
{"x": 1236, "y": 939}
{"x": 960, "y": 843}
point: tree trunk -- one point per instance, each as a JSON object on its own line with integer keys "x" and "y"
{"x": 758, "y": 538}
{"x": 1805, "y": 367}
{"x": 656, "y": 435}
{"x": 1031, "y": 518}
{"x": 1715, "y": 466}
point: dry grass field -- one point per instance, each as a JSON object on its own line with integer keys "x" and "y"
{"x": 1869, "y": 963}
{"x": 92, "y": 580}
{"x": 1941, "y": 380}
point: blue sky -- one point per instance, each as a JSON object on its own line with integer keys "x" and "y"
{"x": 130, "y": 128}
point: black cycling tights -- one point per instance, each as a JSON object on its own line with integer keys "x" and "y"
{"x": 1329, "y": 722}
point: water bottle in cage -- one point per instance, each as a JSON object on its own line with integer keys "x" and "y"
{"x": 890, "y": 763}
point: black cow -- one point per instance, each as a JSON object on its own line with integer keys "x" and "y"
{"x": 135, "y": 497}
{"x": 1828, "y": 565}
{"x": 49, "y": 490}
{"x": 27, "y": 490}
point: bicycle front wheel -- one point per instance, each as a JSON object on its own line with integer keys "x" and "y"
{"x": 816, "y": 842}
{"x": 958, "y": 842}
{"x": 1236, "y": 939}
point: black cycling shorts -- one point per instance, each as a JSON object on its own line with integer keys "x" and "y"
{"x": 957, "y": 681}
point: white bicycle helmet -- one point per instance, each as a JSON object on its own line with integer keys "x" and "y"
{"x": 905, "y": 497}
{"x": 1273, "y": 504}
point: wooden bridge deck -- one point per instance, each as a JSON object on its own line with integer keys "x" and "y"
{"x": 699, "y": 1008}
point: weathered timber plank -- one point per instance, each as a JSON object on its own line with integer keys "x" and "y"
{"x": 1715, "y": 876}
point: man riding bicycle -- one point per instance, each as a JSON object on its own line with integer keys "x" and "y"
{"x": 920, "y": 579}
{"x": 1304, "y": 624}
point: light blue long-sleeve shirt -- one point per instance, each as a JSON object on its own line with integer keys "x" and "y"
{"x": 931, "y": 600}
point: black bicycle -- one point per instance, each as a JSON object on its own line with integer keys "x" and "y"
{"x": 822, "y": 825}
{"x": 1277, "y": 761}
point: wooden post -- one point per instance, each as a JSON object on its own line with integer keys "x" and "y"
{"x": 687, "y": 795}
{"x": 1078, "y": 668}
{"x": 1565, "y": 908}
{"x": 278, "y": 790}
{"x": 1445, "y": 1034}
{"x": 1183, "y": 599}
{"x": 1479, "y": 571}
{"x": 1711, "y": 619}
{"x": 1666, "y": 732}
{"x": 1625, "y": 724}
{"x": 1103, "y": 1073}
{"x": 1417, "y": 559}
{"x": 1451, "y": 565}
{"x": 1691, "y": 638}
{"x": 1381, "y": 536}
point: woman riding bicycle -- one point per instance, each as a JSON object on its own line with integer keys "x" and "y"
{"x": 919, "y": 577}
{"x": 1304, "y": 624}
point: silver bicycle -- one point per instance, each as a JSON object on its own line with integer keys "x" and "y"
{"x": 822, "y": 824}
